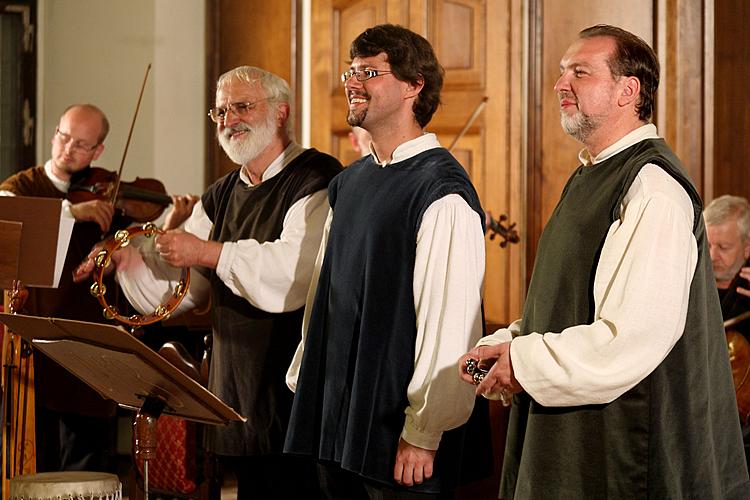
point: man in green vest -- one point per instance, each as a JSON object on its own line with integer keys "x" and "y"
{"x": 618, "y": 370}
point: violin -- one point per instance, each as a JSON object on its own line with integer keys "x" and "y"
{"x": 142, "y": 200}
{"x": 739, "y": 359}
{"x": 507, "y": 233}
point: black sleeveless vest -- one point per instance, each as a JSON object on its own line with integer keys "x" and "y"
{"x": 253, "y": 348}
{"x": 359, "y": 353}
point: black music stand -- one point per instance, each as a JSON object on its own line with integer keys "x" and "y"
{"x": 121, "y": 368}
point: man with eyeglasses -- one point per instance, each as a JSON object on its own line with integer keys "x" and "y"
{"x": 396, "y": 296}
{"x": 253, "y": 237}
{"x": 75, "y": 427}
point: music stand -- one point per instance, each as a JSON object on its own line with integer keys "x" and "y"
{"x": 34, "y": 238}
{"x": 121, "y": 368}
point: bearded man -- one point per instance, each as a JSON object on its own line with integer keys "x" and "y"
{"x": 618, "y": 369}
{"x": 254, "y": 236}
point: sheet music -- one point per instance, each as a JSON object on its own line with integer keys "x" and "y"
{"x": 63, "y": 241}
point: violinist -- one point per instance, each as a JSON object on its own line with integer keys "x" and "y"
{"x": 75, "y": 426}
{"x": 728, "y": 232}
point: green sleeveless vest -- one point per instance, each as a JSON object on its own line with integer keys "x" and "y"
{"x": 674, "y": 435}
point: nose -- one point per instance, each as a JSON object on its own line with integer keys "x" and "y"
{"x": 230, "y": 117}
{"x": 352, "y": 82}
{"x": 561, "y": 83}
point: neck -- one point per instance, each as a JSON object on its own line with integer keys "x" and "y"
{"x": 385, "y": 141}
{"x": 723, "y": 285}
{"x": 602, "y": 138}
{"x": 256, "y": 167}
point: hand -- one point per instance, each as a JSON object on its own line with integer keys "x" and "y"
{"x": 182, "y": 207}
{"x": 98, "y": 211}
{"x": 86, "y": 268}
{"x": 413, "y": 464}
{"x": 744, "y": 274}
{"x": 181, "y": 249}
{"x": 499, "y": 382}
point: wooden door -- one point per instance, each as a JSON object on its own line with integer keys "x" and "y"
{"x": 479, "y": 45}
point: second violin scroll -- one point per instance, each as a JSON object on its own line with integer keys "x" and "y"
{"x": 142, "y": 200}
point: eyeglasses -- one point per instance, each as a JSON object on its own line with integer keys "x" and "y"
{"x": 241, "y": 109}
{"x": 363, "y": 75}
{"x": 75, "y": 145}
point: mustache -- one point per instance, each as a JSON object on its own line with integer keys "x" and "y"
{"x": 238, "y": 127}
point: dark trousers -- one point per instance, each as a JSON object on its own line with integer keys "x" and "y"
{"x": 273, "y": 477}
{"x": 339, "y": 484}
{"x": 68, "y": 442}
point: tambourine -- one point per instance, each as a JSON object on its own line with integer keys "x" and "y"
{"x": 98, "y": 289}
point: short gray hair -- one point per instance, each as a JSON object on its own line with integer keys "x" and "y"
{"x": 726, "y": 208}
{"x": 275, "y": 87}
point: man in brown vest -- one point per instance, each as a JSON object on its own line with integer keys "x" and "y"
{"x": 252, "y": 238}
{"x": 75, "y": 426}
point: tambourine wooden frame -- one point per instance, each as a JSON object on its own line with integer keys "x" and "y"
{"x": 103, "y": 259}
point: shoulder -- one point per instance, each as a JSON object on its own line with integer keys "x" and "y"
{"x": 317, "y": 164}
{"x": 26, "y": 182}
{"x": 654, "y": 184}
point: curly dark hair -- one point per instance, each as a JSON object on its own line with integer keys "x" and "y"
{"x": 632, "y": 57}
{"x": 411, "y": 58}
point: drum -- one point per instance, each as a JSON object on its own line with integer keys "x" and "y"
{"x": 71, "y": 485}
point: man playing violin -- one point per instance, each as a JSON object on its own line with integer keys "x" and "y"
{"x": 75, "y": 425}
{"x": 728, "y": 232}
{"x": 253, "y": 237}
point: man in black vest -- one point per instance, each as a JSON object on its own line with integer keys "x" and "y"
{"x": 728, "y": 232}
{"x": 252, "y": 238}
{"x": 618, "y": 369}
{"x": 398, "y": 294}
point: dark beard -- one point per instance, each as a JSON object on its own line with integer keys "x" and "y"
{"x": 356, "y": 120}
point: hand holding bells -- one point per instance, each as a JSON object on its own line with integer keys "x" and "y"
{"x": 102, "y": 260}
{"x": 478, "y": 373}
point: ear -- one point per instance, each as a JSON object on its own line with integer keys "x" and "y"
{"x": 97, "y": 152}
{"x": 282, "y": 114}
{"x": 414, "y": 88}
{"x": 630, "y": 91}
{"x": 747, "y": 249}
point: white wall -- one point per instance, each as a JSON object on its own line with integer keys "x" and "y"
{"x": 97, "y": 51}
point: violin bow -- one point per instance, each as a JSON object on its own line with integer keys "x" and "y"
{"x": 130, "y": 134}
{"x": 470, "y": 121}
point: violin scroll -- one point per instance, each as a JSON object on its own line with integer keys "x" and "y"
{"x": 506, "y": 232}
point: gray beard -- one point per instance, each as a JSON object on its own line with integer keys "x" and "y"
{"x": 242, "y": 151}
{"x": 578, "y": 126}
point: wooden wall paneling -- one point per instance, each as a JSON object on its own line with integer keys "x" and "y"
{"x": 683, "y": 114}
{"x": 732, "y": 111}
{"x": 255, "y": 33}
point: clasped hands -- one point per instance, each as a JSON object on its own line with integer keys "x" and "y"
{"x": 489, "y": 367}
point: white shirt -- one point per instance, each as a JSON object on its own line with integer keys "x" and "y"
{"x": 273, "y": 276}
{"x": 447, "y": 288}
{"x": 641, "y": 291}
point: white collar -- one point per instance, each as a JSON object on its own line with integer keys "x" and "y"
{"x": 60, "y": 184}
{"x": 292, "y": 151}
{"x": 644, "y": 132}
{"x": 409, "y": 149}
